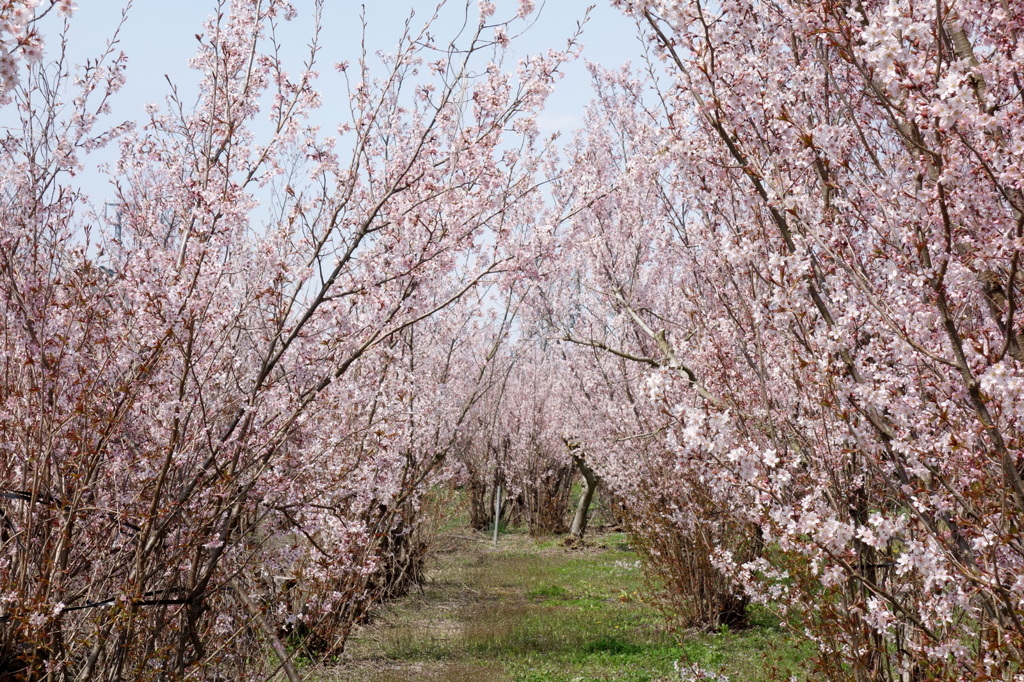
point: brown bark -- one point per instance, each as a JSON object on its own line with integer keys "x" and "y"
{"x": 579, "y": 522}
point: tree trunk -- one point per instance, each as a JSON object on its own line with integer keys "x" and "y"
{"x": 579, "y": 522}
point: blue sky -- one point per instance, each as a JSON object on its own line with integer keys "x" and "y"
{"x": 159, "y": 38}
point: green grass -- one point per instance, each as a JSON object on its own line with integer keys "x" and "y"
{"x": 533, "y": 610}
{"x": 549, "y": 592}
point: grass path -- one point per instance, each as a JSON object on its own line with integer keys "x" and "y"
{"x": 533, "y": 611}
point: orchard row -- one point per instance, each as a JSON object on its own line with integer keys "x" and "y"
{"x": 767, "y": 294}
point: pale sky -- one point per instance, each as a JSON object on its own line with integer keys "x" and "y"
{"x": 159, "y": 38}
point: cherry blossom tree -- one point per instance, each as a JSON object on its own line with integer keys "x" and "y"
{"x": 798, "y": 234}
{"x": 219, "y": 418}
{"x": 769, "y": 298}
